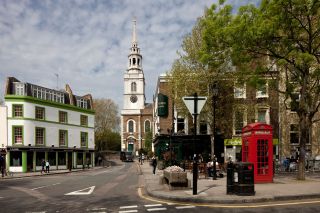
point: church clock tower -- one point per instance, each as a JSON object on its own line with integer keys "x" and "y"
{"x": 136, "y": 115}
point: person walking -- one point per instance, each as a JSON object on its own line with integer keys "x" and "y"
{"x": 154, "y": 164}
{"x": 47, "y": 166}
{"x": 43, "y": 164}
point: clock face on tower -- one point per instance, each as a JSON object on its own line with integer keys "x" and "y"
{"x": 133, "y": 98}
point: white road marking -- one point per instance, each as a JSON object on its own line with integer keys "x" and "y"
{"x": 128, "y": 207}
{"x": 153, "y": 205}
{"x": 82, "y": 191}
{"x": 185, "y": 207}
{"x": 156, "y": 209}
{"x": 40, "y": 187}
{"x": 128, "y": 211}
{"x": 96, "y": 209}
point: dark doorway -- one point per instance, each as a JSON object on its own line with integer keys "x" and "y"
{"x": 30, "y": 161}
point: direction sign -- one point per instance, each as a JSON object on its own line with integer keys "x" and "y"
{"x": 189, "y": 102}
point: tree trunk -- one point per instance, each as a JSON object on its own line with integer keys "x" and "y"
{"x": 305, "y": 126}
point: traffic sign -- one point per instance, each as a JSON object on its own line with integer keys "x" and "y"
{"x": 189, "y": 102}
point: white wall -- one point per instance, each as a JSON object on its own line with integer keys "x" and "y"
{"x": 50, "y": 124}
{"x": 3, "y": 127}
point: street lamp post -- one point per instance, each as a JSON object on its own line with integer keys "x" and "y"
{"x": 214, "y": 100}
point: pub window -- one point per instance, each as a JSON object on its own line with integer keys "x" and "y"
{"x": 63, "y": 137}
{"x": 17, "y": 110}
{"x": 17, "y": 134}
{"x": 40, "y": 136}
{"x": 40, "y": 113}
{"x": 84, "y": 139}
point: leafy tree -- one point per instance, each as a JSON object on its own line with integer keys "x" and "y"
{"x": 287, "y": 34}
{"x": 107, "y": 120}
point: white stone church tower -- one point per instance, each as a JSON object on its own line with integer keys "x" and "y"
{"x": 136, "y": 115}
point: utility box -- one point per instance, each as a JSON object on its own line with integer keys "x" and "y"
{"x": 257, "y": 148}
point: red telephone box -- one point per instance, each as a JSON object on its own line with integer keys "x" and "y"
{"x": 257, "y": 148}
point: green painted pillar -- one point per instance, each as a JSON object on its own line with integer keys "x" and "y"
{"x": 84, "y": 162}
{"x": 24, "y": 161}
{"x": 34, "y": 161}
{"x": 8, "y": 160}
{"x": 67, "y": 160}
{"x": 57, "y": 162}
{"x": 45, "y": 156}
{"x": 74, "y": 159}
{"x": 92, "y": 159}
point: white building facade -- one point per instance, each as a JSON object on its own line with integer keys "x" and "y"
{"x": 46, "y": 124}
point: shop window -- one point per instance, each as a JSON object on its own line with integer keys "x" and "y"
{"x": 79, "y": 158}
{"x": 16, "y": 158}
{"x": 62, "y": 158}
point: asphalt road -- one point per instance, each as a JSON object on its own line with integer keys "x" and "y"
{"x": 114, "y": 189}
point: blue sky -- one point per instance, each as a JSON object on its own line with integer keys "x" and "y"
{"x": 86, "y": 42}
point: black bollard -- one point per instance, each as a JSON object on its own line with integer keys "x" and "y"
{"x": 195, "y": 175}
{"x": 230, "y": 178}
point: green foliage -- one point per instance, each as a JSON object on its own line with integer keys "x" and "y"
{"x": 148, "y": 142}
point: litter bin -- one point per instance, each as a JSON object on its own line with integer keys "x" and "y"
{"x": 244, "y": 178}
{"x": 230, "y": 178}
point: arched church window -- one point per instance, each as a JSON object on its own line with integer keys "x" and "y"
{"x": 130, "y": 126}
{"x": 134, "y": 61}
{"x": 133, "y": 87}
{"x": 138, "y": 61}
{"x": 130, "y": 62}
{"x": 147, "y": 127}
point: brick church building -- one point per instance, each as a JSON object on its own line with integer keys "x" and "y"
{"x": 136, "y": 115}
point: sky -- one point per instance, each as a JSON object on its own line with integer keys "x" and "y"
{"x": 85, "y": 43}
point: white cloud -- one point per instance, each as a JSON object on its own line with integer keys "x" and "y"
{"x": 87, "y": 42}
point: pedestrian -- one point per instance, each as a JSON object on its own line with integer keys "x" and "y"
{"x": 154, "y": 164}
{"x": 88, "y": 162}
{"x": 47, "y": 166}
{"x": 142, "y": 158}
{"x": 43, "y": 164}
{"x": 2, "y": 165}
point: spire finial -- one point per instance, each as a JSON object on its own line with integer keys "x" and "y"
{"x": 134, "y": 35}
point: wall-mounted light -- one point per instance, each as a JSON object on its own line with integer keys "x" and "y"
{"x": 52, "y": 145}
{"x": 29, "y": 144}
{"x": 74, "y": 147}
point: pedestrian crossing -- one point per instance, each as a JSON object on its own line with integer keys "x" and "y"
{"x": 153, "y": 207}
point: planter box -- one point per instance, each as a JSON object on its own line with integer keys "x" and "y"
{"x": 175, "y": 177}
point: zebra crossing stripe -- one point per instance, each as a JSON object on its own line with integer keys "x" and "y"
{"x": 152, "y": 205}
{"x": 156, "y": 209}
{"x": 185, "y": 207}
{"x": 128, "y": 211}
{"x": 128, "y": 207}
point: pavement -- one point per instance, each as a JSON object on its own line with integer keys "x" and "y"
{"x": 284, "y": 187}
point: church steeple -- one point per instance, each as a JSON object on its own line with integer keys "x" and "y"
{"x": 135, "y": 58}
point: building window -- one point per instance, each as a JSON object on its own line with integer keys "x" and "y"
{"x": 147, "y": 127}
{"x": 239, "y": 91}
{"x": 84, "y": 139}
{"x": 130, "y": 126}
{"x": 294, "y": 105}
{"x": 40, "y": 136}
{"x": 262, "y": 91}
{"x": 63, "y": 117}
{"x": 17, "y": 134}
{"x": 263, "y": 115}
{"x": 40, "y": 113}
{"x": 133, "y": 87}
{"x": 82, "y": 103}
{"x": 47, "y": 94}
{"x": 180, "y": 126}
{"x": 239, "y": 121}
{"x": 294, "y": 134}
{"x": 19, "y": 88}
{"x": 63, "y": 137}
{"x": 83, "y": 120}
{"x": 17, "y": 111}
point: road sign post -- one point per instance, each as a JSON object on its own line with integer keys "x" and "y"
{"x": 194, "y": 104}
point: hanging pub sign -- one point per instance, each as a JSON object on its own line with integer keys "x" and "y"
{"x": 162, "y": 105}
